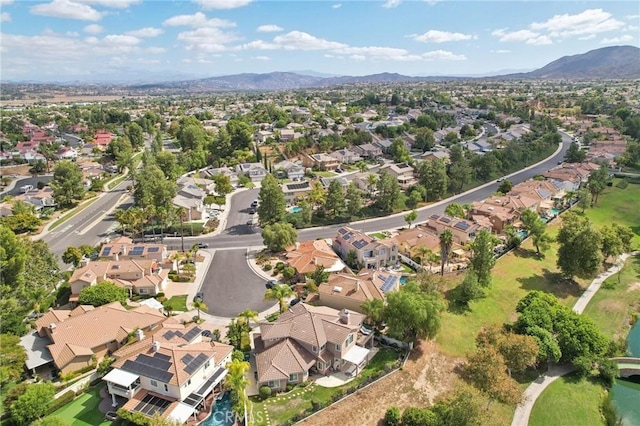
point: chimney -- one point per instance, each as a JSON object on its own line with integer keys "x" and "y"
{"x": 117, "y": 257}
{"x": 84, "y": 261}
{"x": 344, "y": 316}
{"x": 357, "y": 285}
{"x": 52, "y": 327}
{"x": 156, "y": 346}
{"x": 123, "y": 250}
{"x": 139, "y": 335}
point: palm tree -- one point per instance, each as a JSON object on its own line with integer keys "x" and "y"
{"x": 446, "y": 241}
{"x": 279, "y": 292}
{"x": 362, "y": 166}
{"x": 168, "y": 309}
{"x": 317, "y": 195}
{"x": 237, "y": 382}
{"x": 425, "y": 254}
{"x": 372, "y": 180}
{"x": 246, "y": 316}
{"x": 200, "y": 306}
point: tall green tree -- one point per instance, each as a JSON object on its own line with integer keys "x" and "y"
{"x": 102, "y": 293}
{"x": 279, "y": 236}
{"x": 388, "y": 193}
{"x": 432, "y": 175}
{"x": 12, "y": 359}
{"x": 579, "y": 253}
{"x": 574, "y": 154}
{"x": 237, "y": 382}
{"x": 153, "y": 189}
{"x": 455, "y": 210}
{"x": 460, "y": 171}
{"x": 399, "y": 152}
{"x": 335, "y": 198}
{"x": 72, "y": 256}
{"x": 412, "y": 314}
{"x": 223, "y": 184}
{"x": 279, "y": 293}
{"x": 411, "y": 217}
{"x": 598, "y": 182}
{"x": 67, "y": 183}
{"x": 483, "y": 259}
{"x": 536, "y": 227}
{"x": 134, "y": 133}
{"x": 374, "y": 311}
{"x": 32, "y": 404}
{"x": 446, "y": 242}
{"x": 271, "y": 208}
{"x": 353, "y": 200}
{"x": 584, "y": 199}
{"x": 616, "y": 239}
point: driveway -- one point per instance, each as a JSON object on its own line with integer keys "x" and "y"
{"x": 230, "y": 286}
{"x": 239, "y": 212}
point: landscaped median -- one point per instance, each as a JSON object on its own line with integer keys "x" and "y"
{"x": 308, "y": 398}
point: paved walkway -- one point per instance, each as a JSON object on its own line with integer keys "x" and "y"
{"x": 533, "y": 391}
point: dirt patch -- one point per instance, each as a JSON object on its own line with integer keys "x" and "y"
{"x": 427, "y": 374}
{"x": 634, "y": 287}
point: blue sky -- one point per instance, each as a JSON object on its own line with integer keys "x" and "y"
{"x": 66, "y": 40}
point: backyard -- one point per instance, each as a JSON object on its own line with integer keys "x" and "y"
{"x": 83, "y": 411}
{"x": 177, "y": 303}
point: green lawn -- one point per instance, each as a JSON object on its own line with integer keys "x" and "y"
{"x": 379, "y": 235}
{"x": 612, "y": 306}
{"x": 568, "y": 401}
{"x": 177, "y": 303}
{"x": 83, "y": 411}
{"x": 325, "y": 174}
{"x": 282, "y": 408}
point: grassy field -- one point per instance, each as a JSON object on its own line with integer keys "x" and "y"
{"x": 177, "y": 303}
{"x": 83, "y": 411}
{"x": 612, "y": 306}
{"x": 568, "y": 401}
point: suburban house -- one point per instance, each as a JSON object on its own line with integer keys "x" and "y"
{"x": 404, "y": 173}
{"x": 254, "y": 171}
{"x": 463, "y": 230}
{"x": 545, "y": 193}
{"x": 307, "y": 255}
{"x": 289, "y": 170}
{"x": 263, "y": 135}
{"x": 436, "y": 155}
{"x": 67, "y": 153}
{"x": 139, "y": 276}
{"x": 369, "y": 252}
{"x": 499, "y": 216}
{"x": 287, "y": 135}
{"x": 295, "y": 191}
{"x": 322, "y": 160}
{"x": 123, "y": 248}
{"x": 86, "y": 334}
{"x": 368, "y": 150}
{"x": 169, "y": 373}
{"x": 38, "y": 198}
{"x": 209, "y": 172}
{"x": 346, "y": 156}
{"x": 411, "y": 240}
{"x": 346, "y": 291}
{"x": 308, "y": 339}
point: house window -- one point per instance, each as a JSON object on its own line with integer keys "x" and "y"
{"x": 207, "y": 364}
{"x": 323, "y": 347}
{"x": 166, "y": 388}
{"x": 383, "y": 252}
{"x": 154, "y": 383}
{"x": 320, "y": 365}
{"x": 142, "y": 290}
{"x": 349, "y": 340}
{"x": 314, "y": 349}
{"x": 188, "y": 382}
{"x": 293, "y": 377}
{"x": 338, "y": 347}
{"x": 273, "y": 383}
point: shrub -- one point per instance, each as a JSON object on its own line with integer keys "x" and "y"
{"x": 135, "y": 418}
{"x": 279, "y": 266}
{"x": 265, "y": 392}
{"x": 161, "y": 294}
{"x": 607, "y": 372}
{"x": 267, "y": 267}
{"x": 290, "y": 387}
{"x": 58, "y": 403}
{"x": 393, "y": 416}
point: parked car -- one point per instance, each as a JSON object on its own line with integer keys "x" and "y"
{"x": 252, "y": 211}
{"x": 254, "y": 204}
{"x": 271, "y": 284}
{"x": 206, "y": 333}
{"x": 338, "y": 170}
{"x": 294, "y": 302}
{"x": 198, "y": 297}
{"x": 202, "y": 245}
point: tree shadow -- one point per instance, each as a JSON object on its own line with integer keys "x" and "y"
{"x": 558, "y": 285}
{"x": 453, "y": 305}
{"x": 528, "y": 254}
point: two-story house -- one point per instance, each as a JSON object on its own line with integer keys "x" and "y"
{"x": 254, "y": 171}
{"x": 295, "y": 191}
{"x": 346, "y": 291}
{"x": 169, "y": 373}
{"x": 308, "y": 339}
{"x": 123, "y": 248}
{"x": 403, "y": 172}
{"x": 499, "y": 216}
{"x": 369, "y": 252}
{"x": 463, "y": 230}
{"x": 322, "y": 160}
{"x": 368, "y": 150}
{"x": 346, "y": 156}
{"x": 289, "y": 170}
{"x": 190, "y": 197}
{"x": 306, "y": 256}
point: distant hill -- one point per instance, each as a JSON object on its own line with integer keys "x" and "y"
{"x": 614, "y": 62}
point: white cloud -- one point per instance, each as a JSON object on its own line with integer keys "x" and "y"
{"x": 435, "y": 36}
{"x": 222, "y": 4}
{"x": 156, "y": 50}
{"x": 298, "y": 40}
{"x": 540, "y": 40}
{"x": 521, "y": 35}
{"x": 208, "y": 39}
{"x": 443, "y": 55}
{"x": 5, "y": 17}
{"x": 389, "y": 4}
{"x": 269, "y": 28}
{"x": 197, "y": 20}
{"x": 146, "y": 32}
{"x": 262, "y": 58}
{"x": 93, "y": 29}
{"x": 614, "y": 40}
{"x": 591, "y": 21}
{"x": 500, "y": 51}
{"x": 336, "y": 6}
{"x": 115, "y": 4}
{"x": 5, "y": 2}
{"x": 258, "y": 45}
{"x": 125, "y": 40}
{"x": 66, "y": 9}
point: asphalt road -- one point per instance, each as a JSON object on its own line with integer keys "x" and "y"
{"x": 90, "y": 225}
{"x": 27, "y": 181}
{"x": 231, "y": 239}
{"x": 239, "y": 213}
{"x": 230, "y": 286}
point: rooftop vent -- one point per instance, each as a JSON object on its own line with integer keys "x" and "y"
{"x": 337, "y": 289}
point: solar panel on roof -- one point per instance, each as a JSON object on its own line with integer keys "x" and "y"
{"x": 169, "y": 334}
{"x": 196, "y": 363}
{"x": 389, "y": 283}
{"x": 163, "y": 357}
{"x": 434, "y": 216}
{"x": 136, "y": 251}
{"x": 445, "y": 219}
{"x": 359, "y": 244}
{"x": 187, "y": 358}
{"x": 153, "y": 249}
{"x": 462, "y": 225}
{"x": 106, "y": 251}
{"x": 143, "y": 369}
{"x": 298, "y": 185}
{"x": 151, "y": 405}
{"x": 195, "y": 331}
{"x": 348, "y": 236}
{"x": 342, "y": 231}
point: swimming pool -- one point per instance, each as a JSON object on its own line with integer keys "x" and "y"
{"x": 522, "y": 234}
{"x": 221, "y": 414}
{"x": 553, "y": 212}
{"x": 296, "y": 209}
{"x": 403, "y": 280}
